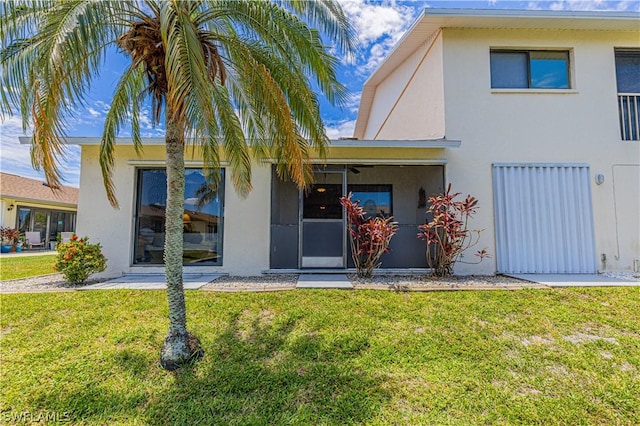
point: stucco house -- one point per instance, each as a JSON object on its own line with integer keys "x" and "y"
{"x": 30, "y": 205}
{"x": 533, "y": 112}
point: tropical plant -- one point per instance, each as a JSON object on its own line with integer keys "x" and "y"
{"x": 78, "y": 259}
{"x": 447, "y": 234}
{"x": 369, "y": 237}
{"x": 21, "y": 241}
{"x": 234, "y": 78}
{"x": 9, "y": 236}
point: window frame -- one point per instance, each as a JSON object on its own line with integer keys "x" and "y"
{"x": 372, "y": 188}
{"x": 620, "y": 52}
{"x": 569, "y": 69}
{"x": 628, "y": 101}
{"x": 137, "y": 202}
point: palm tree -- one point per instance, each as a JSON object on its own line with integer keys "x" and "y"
{"x": 233, "y": 77}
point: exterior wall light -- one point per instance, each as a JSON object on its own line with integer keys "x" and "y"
{"x": 599, "y": 179}
{"x": 11, "y": 206}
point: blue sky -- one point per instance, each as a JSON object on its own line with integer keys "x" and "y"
{"x": 379, "y": 25}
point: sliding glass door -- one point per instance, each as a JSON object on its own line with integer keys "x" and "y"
{"x": 202, "y": 219}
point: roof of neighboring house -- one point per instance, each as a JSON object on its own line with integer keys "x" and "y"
{"x": 432, "y": 20}
{"x": 25, "y": 189}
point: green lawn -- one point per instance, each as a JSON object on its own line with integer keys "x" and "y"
{"x": 567, "y": 356}
{"x": 26, "y": 266}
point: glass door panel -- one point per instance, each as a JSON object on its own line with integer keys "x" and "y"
{"x": 40, "y": 224}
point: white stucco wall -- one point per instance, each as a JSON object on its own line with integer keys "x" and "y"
{"x": 575, "y": 126}
{"x": 246, "y": 221}
{"x": 417, "y": 87}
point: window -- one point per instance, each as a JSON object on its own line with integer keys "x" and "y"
{"x": 628, "y": 70}
{"x": 48, "y": 222}
{"x": 375, "y": 199}
{"x": 202, "y": 224}
{"x": 628, "y": 82}
{"x": 529, "y": 69}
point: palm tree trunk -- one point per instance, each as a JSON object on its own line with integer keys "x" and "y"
{"x": 180, "y": 346}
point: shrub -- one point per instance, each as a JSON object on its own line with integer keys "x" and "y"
{"x": 78, "y": 259}
{"x": 447, "y": 235}
{"x": 9, "y": 236}
{"x": 369, "y": 238}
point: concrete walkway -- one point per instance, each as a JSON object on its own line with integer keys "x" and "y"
{"x": 324, "y": 281}
{"x": 152, "y": 282}
{"x": 576, "y": 280}
{"x": 28, "y": 253}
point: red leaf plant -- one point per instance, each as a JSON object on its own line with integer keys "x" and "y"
{"x": 369, "y": 237}
{"x": 447, "y": 235}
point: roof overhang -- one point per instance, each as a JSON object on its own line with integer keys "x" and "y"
{"x": 432, "y": 20}
{"x": 26, "y": 140}
{"x": 38, "y": 201}
{"x": 340, "y": 143}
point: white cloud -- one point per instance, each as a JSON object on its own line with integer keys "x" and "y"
{"x": 379, "y": 26}
{"x": 340, "y": 129}
{"x": 16, "y": 158}
{"x": 586, "y": 5}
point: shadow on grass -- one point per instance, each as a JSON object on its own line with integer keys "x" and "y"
{"x": 261, "y": 372}
{"x": 257, "y": 370}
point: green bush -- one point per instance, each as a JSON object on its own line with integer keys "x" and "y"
{"x": 78, "y": 259}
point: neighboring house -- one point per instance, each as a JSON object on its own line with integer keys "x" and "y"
{"x": 31, "y": 205}
{"x": 533, "y": 112}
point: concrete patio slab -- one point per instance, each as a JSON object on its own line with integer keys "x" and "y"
{"x": 324, "y": 281}
{"x": 575, "y": 280}
{"x": 152, "y": 282}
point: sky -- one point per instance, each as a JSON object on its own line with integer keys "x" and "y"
{"x": 378, "y": 25}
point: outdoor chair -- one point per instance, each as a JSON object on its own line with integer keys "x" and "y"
{"x": 33, "y": 239}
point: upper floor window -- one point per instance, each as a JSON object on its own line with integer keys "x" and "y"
{"x": 628, "y": 81}
{"x": 530, "y": 69}
{"x": 628, "y": 70}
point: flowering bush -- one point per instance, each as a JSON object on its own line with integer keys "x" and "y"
{"x": 369, "y": 238}
{"x": 9, "y": 236}
{"x": 447, "y": 234}
{"x": 78, "y": 259}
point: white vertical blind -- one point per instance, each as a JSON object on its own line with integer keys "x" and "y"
{"x": 543, "y": 218}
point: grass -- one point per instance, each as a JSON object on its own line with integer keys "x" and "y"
{"x": 566, "y": 356}
{"x": 15, "y": 267}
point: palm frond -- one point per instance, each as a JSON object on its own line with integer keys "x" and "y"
{"x": 126, "y": 99}
{"x": 47, "y": 69}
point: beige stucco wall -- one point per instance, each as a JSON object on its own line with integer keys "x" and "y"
{"x": 574, "y": 126}
{"x": 246, "y": 221}
{"x": 414, "y": 90}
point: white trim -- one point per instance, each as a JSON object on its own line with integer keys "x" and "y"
{"x": 539, "y": 14}
{"x": 340, "y": 143}
{"x": 26, "y": 140}
{"x": 373, "y": 161}
{"x": 536, "y": 91}
{"x": 150, "y": 163}
{"x": 540, "y": 165}
{"x": 399, "y": 143}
